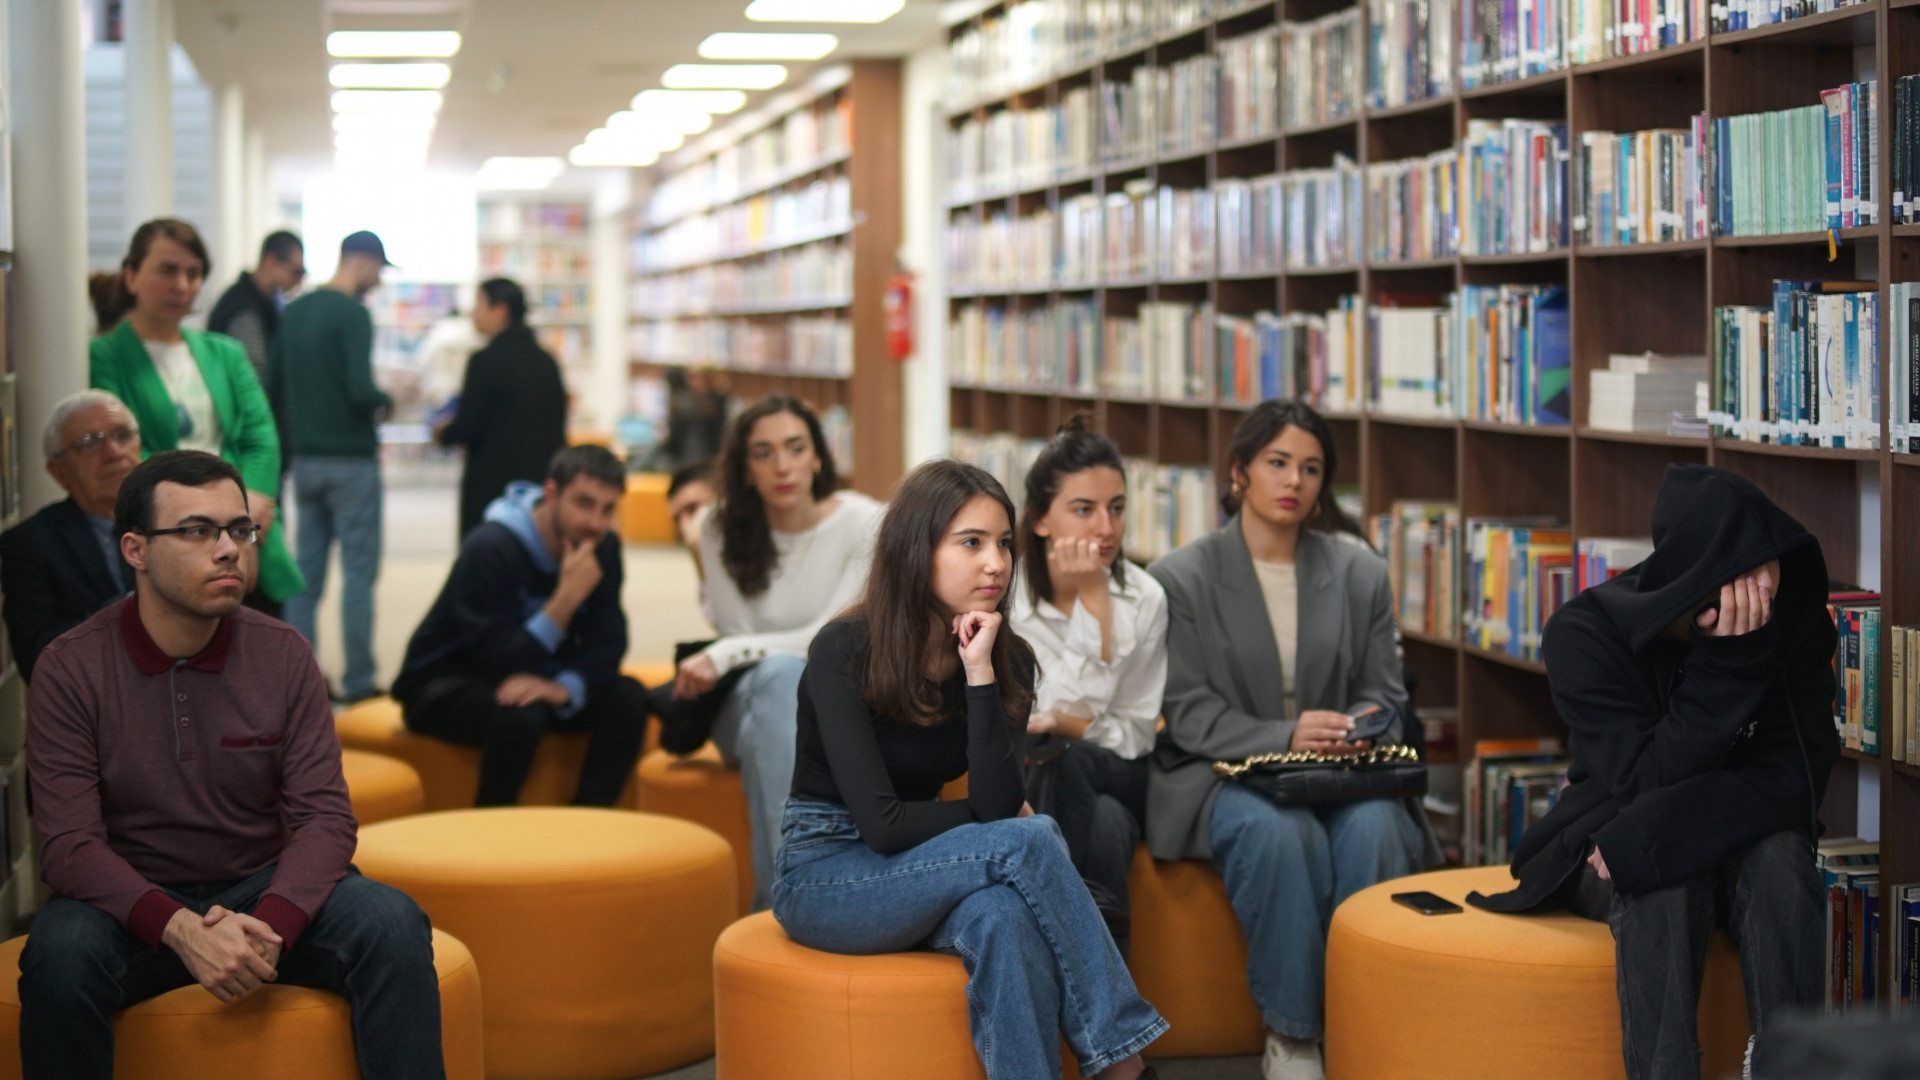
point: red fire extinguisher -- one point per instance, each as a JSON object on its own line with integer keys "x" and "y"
{"x": 899, "y": 310}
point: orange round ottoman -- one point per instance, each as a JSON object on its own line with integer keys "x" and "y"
{"x": 595, "y": 930}
{"x": 784, "y": 1010}
{"x": 381, "y": 787}
{"x": 1440, "y": 997}
{"x": 1189, "y": 958}
{"x": 304, "y": 1034}
{"x": 701, "y": 789}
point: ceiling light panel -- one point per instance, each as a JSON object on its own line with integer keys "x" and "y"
{"x": 393, "y": 120}
{"x": 677, "y": 121}
{"x": 379, "y": 101}
{"x": 724, "y": 76}
{"x": 390, "y": 76}
{"x": 706, "y": 101}
{"x": 824, "y": 11}
{"x": 728, "y": 46}
{"x": 517, "y": 173}
{"x": 393, "y": 43}
{"x": 588, "y": 157}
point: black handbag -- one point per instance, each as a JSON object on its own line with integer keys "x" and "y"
{"x": 685, "y": 726}
{"x": 1310, "y": 778}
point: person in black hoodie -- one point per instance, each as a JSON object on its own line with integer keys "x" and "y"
{"x": 527, "y": 635}
{"x": 1697, "y": 689}
{"x": 512, "y": 411}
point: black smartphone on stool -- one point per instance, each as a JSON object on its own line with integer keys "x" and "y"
{"x": 1427, "y": 904}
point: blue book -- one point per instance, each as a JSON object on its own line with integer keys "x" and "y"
{"x": 1553, "y": 385}
{"x": 1836, "y": 105}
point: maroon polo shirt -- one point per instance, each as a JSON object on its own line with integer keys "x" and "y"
{"x": 148, "y": 770}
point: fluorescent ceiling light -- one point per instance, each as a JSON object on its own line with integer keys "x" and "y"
{"x": 673, "y": 121}
{"x": 390, "y": 76}
{"x": 517, "y": 173}
{"x": 824, "y": 11}
{"x": 767, "y": 46}
{"x": 588, "y": 157}
{"x": 724, "y": 76}
{"x": 393, "y": 43}
{"x": 383, "y": 121}
{"x": 658, "y": 142}
{"x": 382, "y": 101}
{"x": 706, "y": 101}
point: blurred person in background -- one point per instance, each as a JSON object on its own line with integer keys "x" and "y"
{"x": 249, "y": 311}
{"x": 512, "y": 411}
{"x": 696, "y": 415}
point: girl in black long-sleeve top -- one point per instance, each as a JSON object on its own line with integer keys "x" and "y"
{"x": 917, "y": 686}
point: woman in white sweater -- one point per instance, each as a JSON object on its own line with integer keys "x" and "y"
{"x": 1098, "y": 628}
{"x": 784, "y": 552}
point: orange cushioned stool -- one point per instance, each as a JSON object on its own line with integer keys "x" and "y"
{"x": 595, "y": 930}
{"x": 1189, "y": 958}
{"x": 450, "y": 773}
{"x": 1417, "y": 997}
{"x": 381, "y": 787}
{"x": 644, "y": 518}
{"x": 701, "y": 789}
{"x": 288, "y": 1032}
{"x": 782, "y": 1010}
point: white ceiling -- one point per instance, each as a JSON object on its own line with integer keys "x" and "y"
{"x": 532, "y": 76}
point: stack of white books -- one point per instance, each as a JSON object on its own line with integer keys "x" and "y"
{"x": 1641, "y": 392}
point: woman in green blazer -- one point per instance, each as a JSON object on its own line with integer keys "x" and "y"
{"x": 159, "y": 281}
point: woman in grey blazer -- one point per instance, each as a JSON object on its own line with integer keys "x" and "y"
{"x": 1280, "y": 629}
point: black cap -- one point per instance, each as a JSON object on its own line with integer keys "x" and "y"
{"x": 364, "y": 243}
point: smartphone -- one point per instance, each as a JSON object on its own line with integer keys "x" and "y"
{"x": 1370, "y": 726}
{"x": 1427, "y": 904}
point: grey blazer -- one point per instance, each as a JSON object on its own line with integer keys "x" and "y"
{"x": 1224, "y": 696}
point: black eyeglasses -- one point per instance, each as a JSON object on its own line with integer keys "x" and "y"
{"x": 244, "y": 534}
{"x": 123, "y": 435}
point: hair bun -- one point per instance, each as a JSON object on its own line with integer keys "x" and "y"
{"x": 1080, "y": 423}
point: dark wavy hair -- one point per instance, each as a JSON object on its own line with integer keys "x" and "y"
{"x": 1074, "y": 449}
{"x": 1263, "y": 425}
{"x": 746, "y": 540}
{"x": 901, "y": 611}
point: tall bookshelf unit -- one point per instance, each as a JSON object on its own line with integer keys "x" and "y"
{"x": 1623, "y": 299}
{"x": 772, "y": 265}
{"x": 545, "y": 244}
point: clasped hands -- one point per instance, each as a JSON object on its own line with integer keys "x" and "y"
{"x": 229, "y": 953}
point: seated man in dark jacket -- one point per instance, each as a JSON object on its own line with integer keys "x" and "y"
{"x": 63, "y": 564}
{"x": 527, "y": 635}
{"x": 1698, "y": 692}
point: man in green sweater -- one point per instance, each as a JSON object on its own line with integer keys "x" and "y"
{"x": 320, "y": 377}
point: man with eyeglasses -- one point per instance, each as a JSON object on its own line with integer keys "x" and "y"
{"x": 249, "y": 311}
{"x": 192, "y": 818}
{"x": 63, "y": 564}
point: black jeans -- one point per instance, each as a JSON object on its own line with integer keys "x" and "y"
{"x": 1100, "y": 800}
{"x": 1769, "y": 898}
{"x": 464, "y": 711}
{"x": 369, "y": 943}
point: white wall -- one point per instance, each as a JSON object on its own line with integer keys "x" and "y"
{"x": 923, "y": 249}
{"x": 607, "y": 402}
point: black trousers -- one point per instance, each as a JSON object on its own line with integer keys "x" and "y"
{"x": 1768, "y": 897}
{"x": 463, "y": 711}
{"x": 1100, "y": 801}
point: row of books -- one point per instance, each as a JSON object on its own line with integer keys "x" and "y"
{"x": 1312, "y": 357}
{"x": 1730, "y": 15}
{"x": 1511, "y": 353}
{"x": 1409, "y": 51}
{"x": 1320, "y": 215}
{"x": 1515, "y": 574}
{"x": 1412, "y": 210}
{"x": 1850, "y": 872}
{"x": 800, "y": 345}
{"x": 1796, "y": 170}
{"x": 1857, "y": 697}
{"x": 1506, "y": 786}
{"x": 1421, "y": 541}
{"x": 1902, "y": 713}
{"x": 1023, "y": 43}
{"x": 1510, "y": 39}
{"x": 741, "y": 228}
{"x": 1802, "y": 372}
{"x": 1906, "y": 149}
{"x": 1602, "y": 29}
{"x": 1164, "y": 352}
{"x": 1641, "y": 392}
{"x": 1321, "y": 70}
{"x": 1602, "y": 558}
{"x": 524, "y": 260}
{"x": 820, "y": 273}
{"x": 815, "y": 132}
{"x": 1168, "y": 507}
{"x": 1022, "y": 147}
{"x": 1642, "y": 187}
{"x": 1054, "y": 348}
{"x": 1903, "y": 365}
{"x": 1513, "y": 187}
{"x": 508, "y": 220}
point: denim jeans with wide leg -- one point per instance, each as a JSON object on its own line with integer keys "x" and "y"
{"x": 1004, "y": 897}
{"x": 369, "y": 943}
{"x": 1769, "y": 896}
{"x": 339, "y": 498}
{"x": 756, "y": 733}
{"x": 1286, "y": 869}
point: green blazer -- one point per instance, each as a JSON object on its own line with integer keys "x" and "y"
{"x": 118, "y": 363}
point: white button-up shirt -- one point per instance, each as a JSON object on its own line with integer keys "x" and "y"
{"x": 1122, "y": 695}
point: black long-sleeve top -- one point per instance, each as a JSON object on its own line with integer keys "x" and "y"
{"x": 887, "y": 772}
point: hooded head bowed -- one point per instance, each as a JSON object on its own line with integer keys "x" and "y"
{"x": 1709, "y": 526}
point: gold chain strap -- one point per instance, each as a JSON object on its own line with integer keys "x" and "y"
{"x": 1379, "y": 755}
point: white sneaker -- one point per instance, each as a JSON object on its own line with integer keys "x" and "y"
{"x": 1292, "y": 1059}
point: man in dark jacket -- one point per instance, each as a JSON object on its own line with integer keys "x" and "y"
{"x": 527, "y": 635}
{"x": 63, "y": 564}
{"x": 249, "y": 311}
{"x": 1698, "y": 690}
{"x": 512, "y": 415}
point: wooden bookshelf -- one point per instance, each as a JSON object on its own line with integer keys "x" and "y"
{"x": 546, "y": 245}
{"x": 865, "y": 94}
{"x": 1623, "y": 299}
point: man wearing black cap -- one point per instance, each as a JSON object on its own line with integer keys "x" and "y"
{"x": 320, "y": 377}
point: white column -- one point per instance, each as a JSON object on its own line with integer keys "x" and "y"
{"x": 148, "y": 43}
{"x": 51, "y": 317}
{"x": 232, "y": 242}
{"x": 607, "y": 399}
{"x": 923, "y": 245}
{"x": 258, "y": 203}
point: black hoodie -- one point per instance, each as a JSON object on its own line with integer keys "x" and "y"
{"x": 1685, "y": 753}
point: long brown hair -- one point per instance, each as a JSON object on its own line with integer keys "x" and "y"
{"x": 900, "y": 608}
{"x": 1263, "y": 425}
{"x": 746, "y": 540}
{"x": 1074, "y": 449}
{"x": 111, "y": 309}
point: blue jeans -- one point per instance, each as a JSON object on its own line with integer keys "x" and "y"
{"x": 369, "y": 943}
{"x": 1286, "y": 869}
{"x": 1004, "y": 897}
{"x": 756, "y": 733}
{"x": 339, "y": 497}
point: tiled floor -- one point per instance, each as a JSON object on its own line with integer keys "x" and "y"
{"x": 662, "y": 600}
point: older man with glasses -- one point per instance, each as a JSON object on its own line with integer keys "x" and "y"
{"x": 63, "y": 564}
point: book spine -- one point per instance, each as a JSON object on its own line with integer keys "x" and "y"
{"x": 1870, "y": 681}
